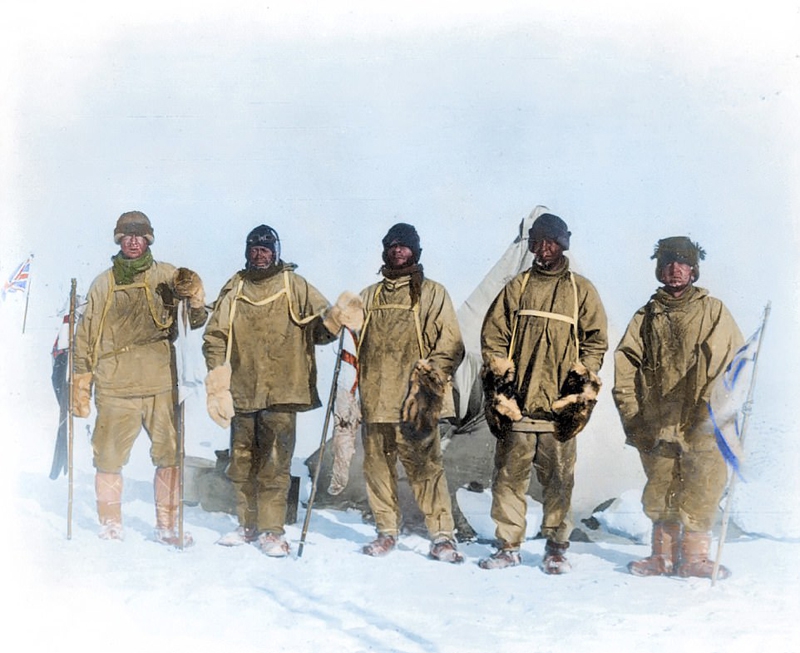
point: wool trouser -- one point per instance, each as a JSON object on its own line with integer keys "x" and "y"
{"x": 262, "y": 446}
{"x": 384, "y": 444}
{"x": 516, "y": 454}
{"x": 119, "y": 422}
{"x": 685, "y": 489}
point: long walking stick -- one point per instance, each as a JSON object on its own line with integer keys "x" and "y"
{"x": 181, "y": 439}
{"x": 70, "y": 429}
{"x": 746, "y": 410}
{"x": 328, "y": 412}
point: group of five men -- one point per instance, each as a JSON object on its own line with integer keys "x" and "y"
{"x": 543, "y": 340}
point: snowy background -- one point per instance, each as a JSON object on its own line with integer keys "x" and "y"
{"x": 330, "y": 125}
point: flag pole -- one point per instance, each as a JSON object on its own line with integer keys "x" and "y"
{"x": 28, "y": 292}
{"x": 70, "y": 426}
{"x": 746, "y": 410}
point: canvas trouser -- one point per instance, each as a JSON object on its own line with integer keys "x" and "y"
{"x": 119, "y": 422}
{"x": 262, "y": 446}
{"x": 686, "y": 488}
{"x": 516, "y": 454}
{"x": 422, "y": 461}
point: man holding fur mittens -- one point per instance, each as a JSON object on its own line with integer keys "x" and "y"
{"x": 543, "y": 341}
{"x": 259, "y": 349}
{"x": 409, "y": 348}
{"x": 123, "y": 347}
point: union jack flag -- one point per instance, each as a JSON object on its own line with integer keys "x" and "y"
{"x": 18, "y": 281}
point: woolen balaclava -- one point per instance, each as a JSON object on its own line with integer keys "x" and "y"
{"x": 678, "y": 249}
{"x": 263, "y": 236}
{"x": 404, "y": 234}
{"x": 551, "y": 227}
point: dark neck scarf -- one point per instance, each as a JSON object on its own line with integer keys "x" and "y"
{"x": 416, "y": 274}
{"x": 670, "y": 302}
{"x": 259, "y": 274}
{"x": 125, "y": 269}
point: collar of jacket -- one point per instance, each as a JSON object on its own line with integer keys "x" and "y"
{"x": 561, "y": 269}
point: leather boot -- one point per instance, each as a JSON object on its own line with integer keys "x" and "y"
{"x": 108, "y": 488}
{"x": 666, "y": 545}
{"x": 167, "y": 492}
{"x": 694, "y": 557}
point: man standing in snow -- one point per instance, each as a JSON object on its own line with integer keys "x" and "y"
{"x": 259, "y": 349}
{"x": 543, "y": 341}
{"x": 409, "y": 348}
{"x": 673, "y": 350}
{"x": 123, "y": 346}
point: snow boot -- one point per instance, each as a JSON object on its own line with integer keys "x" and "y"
{"x": 501, "y": 559}
{"x": 242, "y": 535}
{"x": 445, "y": 550}
{"x": 555, "y": 562}
{"x": 273, "y": 545}
{"x": 666, "y": 543}
{"x": 694, "y": 557}
{"x": 166, "y": 486}
{"x": 380, "y": 546}
{"x": 108, "y": 488}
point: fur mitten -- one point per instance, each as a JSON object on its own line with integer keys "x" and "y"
{"x": 82, "y": 394}
{"x": 500, "y": 396}
{"x": 189, "y": 286}
{"x": 347, "y": 311}
{"x": 578, "y": 398}
{"x": 219, "y": 401}
{"x": 419, "y": 416}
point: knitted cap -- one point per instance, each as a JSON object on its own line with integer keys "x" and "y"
{"x": 403, "y": 234}
{"x": 551, "y": 227}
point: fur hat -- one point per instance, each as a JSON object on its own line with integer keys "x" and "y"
{"x": 263, "y": 236}
{"x": 678, "y": 249}
{"x": 133, "y": 223}
{"x": 551, "y": 227}
{"x": 403, "y": 234}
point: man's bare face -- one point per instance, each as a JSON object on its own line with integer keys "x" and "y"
{"x": 676, "y": 277}
{"x": 399, "y": 256}
{"x": 546, "y": 252}
{"x": 133, "y": 246}
{"x": 259, "y": 257}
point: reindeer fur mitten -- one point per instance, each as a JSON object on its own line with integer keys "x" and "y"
{"x": 419, "y": 416}
{"x": 189, "y": 286}
{"x": 578, "y": 398}
{"x": 219, "y": 401}
{"x": 500, "y": 395}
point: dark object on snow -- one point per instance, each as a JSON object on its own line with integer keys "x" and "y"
{"x": 61, "y": 388}
{"x": 578, "y": 399}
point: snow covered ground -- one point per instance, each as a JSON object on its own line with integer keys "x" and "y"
{"x": 87, "y": 594}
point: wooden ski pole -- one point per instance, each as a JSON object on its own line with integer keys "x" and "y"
{"x": 181, "y": 439}
{"x": 70, "y": 423}
{"x": 328, "y": 413}
{"x": 746, "y": 410}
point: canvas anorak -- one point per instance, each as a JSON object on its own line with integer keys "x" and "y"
{"x": 271, "y": 324}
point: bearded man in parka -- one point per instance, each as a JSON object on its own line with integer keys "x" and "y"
{"x": 123, "y": 347}
{"x": 543, "y": 340}
{"x": 409, "y": 348}
{"x": 673, "y": 351}
{"x": 259, "y": 349}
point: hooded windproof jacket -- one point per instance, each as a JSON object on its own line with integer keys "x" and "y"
{"x": 267, "y": 327}
{"x": 395, "y": 336}
{"x": 545, "y": 321}
{"x": 666, "y": 364}
{"x": 124, "y": 336}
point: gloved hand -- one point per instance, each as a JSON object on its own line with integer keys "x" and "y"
{"x": 219, "y": 401}
{"x": 500, "y": 402}
{"x": 189, "y": 286}
{"x": 82, "y": 394}
{"x": 347, "y": 311}
{"x": 577, "y": 401}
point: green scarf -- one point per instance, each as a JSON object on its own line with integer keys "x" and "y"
{"x": 125, "y": 269}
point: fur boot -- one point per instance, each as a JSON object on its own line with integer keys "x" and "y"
{"x": 419, "y": 416}
{"x": 166, "y": 485}
{"x": 694, "y": 557}
{"x": 500, "y": 395}
{"x": 578, "y": 398}
{"x": 666, "y": 547}
{"x": 108, "y": 488}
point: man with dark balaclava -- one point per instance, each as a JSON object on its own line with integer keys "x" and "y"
{"x": 543, "y": 340}
{"x": 409, "y": 348}
{"x": 123, "y": 348}
{"x": 259, "y": 349}
{"x": 675, "y": 348}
